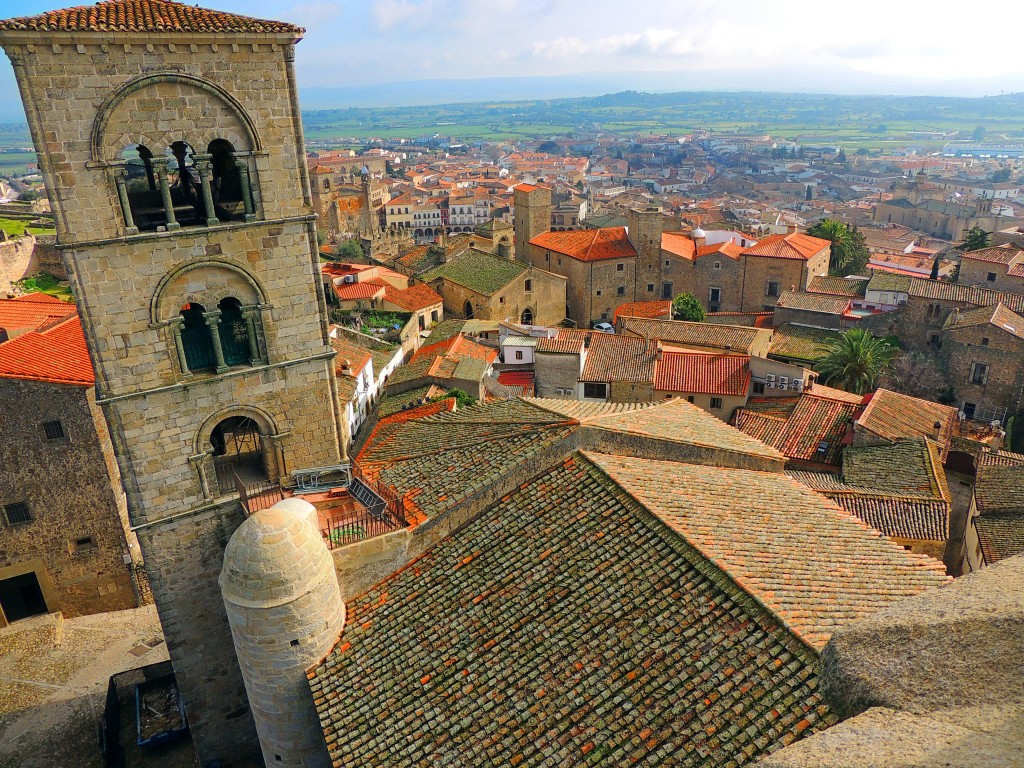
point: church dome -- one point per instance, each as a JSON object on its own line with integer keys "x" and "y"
{"x": 698, "y": 233}
{"x": 275, "y": 557}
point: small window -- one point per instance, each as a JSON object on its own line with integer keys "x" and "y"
{"x": 17, "y": 513}
{"x": 979, "y": 373}
{"x": 689, "y": 398}
{"x": 595, "y": 390}
{"x": 529, "y": 285}
{"x": 715, "y": 295}
{"x": 620, "y": 267}
{"x": 597, "y": 293}
{"x": 668, "y": 263}
{"x": 501, "y": 299}
{"x": 519, "y": 354}
{"x": 716, "y": 403}
{"x": 984, "y": 341}
{"x": 433, "y": 316}
{"x": 969, "y": 409}
{"x": 718, "y": 265}
{"x": 620, "y": 291}
{"x": 53, "y": 430}
{"x": 991, "y": 277}
{"x": 81, "y": 545}
{"x": 771, "y": 289}
{"x": 650, "y": 287}
{"x": 758, "y": 387}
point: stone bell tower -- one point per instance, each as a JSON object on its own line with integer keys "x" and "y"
{"x": 170, "y": 141}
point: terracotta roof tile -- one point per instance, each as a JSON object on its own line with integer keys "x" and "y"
{"x": 812, "y": 429}
{"x": 568, "y": 341}
{"x": 651, "y": 309}
{"x": 998, "y": 316}
{"x": 368, "y": 289}
{"x": 703, "y": 373}
{"x": 904, "y": 468}
{"x": 612, "y": 358}
{"x": 837, "y": 286}
{"x": 588, "y": 244}
{"x": 144, "y": 16}
{"x": 477, "y": 270}
{"x": 356, "y": 356}
{"x": 999, "y": 254}
{"x": 895, "y": 416}
{"x": 563, "y": 626}
{"x": 711, "y": 336}
{"x": 57, "y": 354}
{"x": 413, "y": 298}
{"x": 679, "y": 244}
{"x": 32, "y": 312}
{"x": 1000, "y": 536}
{"x": 801, "y": 342}
{"x": 999, "y": 488}
{"x": 789, "y": 246}
{"x": 812, "y": 564}
{"x": 813, "y": 302}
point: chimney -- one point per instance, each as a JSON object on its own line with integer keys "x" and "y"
{"x": 791, "y": 229}
{"x": 660, "y": 350}
{"x": 346, "y": 367}
{"x": 936, "y": 430}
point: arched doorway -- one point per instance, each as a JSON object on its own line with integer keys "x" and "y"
{"x": 469, "y": 310}
{"x": 238, "y": 451}
{"x": 527, "y": 317}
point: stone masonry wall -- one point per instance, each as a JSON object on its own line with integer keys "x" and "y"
{"x": 988, "y": 345}
{"x": 70, "y": 496}
{"x": 16, "y": 262}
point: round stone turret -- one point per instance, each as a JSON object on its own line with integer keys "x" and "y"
{"x": 284, "y": 606}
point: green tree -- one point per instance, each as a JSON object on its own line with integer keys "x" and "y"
{"x": 808, "y": 195}
{"x": 28, "y": 195}
{"x": 462, "y": 399}
{"x": 841, "y": 156}
{"x": 855, "y": 361}
{"x": 352, "y": 249}
{"x": 848, "y": 255}
{"x": 975, "y": 239}
{"x": 978, "y": 134}
{"x": 686, "y": 307}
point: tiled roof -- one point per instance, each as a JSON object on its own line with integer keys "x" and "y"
{"x": 905, "y": 468}
{"x": 441, "y": 359}
{"x": 413, "y": 298}
{"x": 355, "y": 355}
{"x": 567, "y": 342}
{"x": 395, "y": 403}
{"x": 32, "y": 312}
{"x": 750, "y": 319}
{"x": 999, "y": 316}
{"x": 813, "y": 302}
{"x": 967, "y": 294}
{"x": 700, "y": 372}
{"x": 477, "y": 270}
{"x": 790, "y": 246}
{"x": 681, "y": 422}
{"x": 420, "y": 259}
{"x": 585, "y": 412}
{"x": 999, "y": 458}
{"x": 1000, "y": 536}
{"x": 810, "y": 563}
{"x": 652, "y": 309}
{"x": 728, "y": 249}
{"x": 999, "y": 488}
{"x": 356, "y": 291}
{"x": 895, "y": 416}
{"x": 831, "y": 393}
{"x": 999, "y": 254}
{"x": 563, "y": 626}
{"x": 679, "y": 244}
{"x": 811, "y": 430}
{"x": 888, "y": 281}
{"x": 57, "y": 354}
{"x": 588, "y": 244}
{"x": 837, "y": 286}
{"x": 612, "y": 358}
{"x": 801, "y": 342}
{"x": 735, "y": 338}
{"x": 144, "y": 16}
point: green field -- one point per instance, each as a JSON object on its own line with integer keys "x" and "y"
{"x": 17, "y": 228}
{"x": 15, "y": 163}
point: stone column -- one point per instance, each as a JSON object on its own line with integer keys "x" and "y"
{"x": 198, "y": 463}
{"x": 278, "y": 452}
{"x": 212, "y": 319}
{"x": 165, "y": 195}
{"x": 120, "y": 175}
{"x": 176, "y": 324}
{"x": 242, "y": 164}
{"x": 250, "y": 313}
{"x": 204, "y": 168}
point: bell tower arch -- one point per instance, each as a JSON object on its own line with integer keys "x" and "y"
{"x": 171, "y": 145}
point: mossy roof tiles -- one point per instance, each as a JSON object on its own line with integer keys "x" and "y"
{"x": 905, "y": 468}
{"x": 1000, "y": 536}
{"x": 478, "y": 271}
{"x": 811, "y": 563}
{"x": 801, "y": 342}
{"x": 999, "y": 488}
{"x": 895, "y": 416}
{"x": 810, "y": 429}
{"x": 563, "y": 626}
{"x": 737, "y": 338}
{"x": 837, "y": 286}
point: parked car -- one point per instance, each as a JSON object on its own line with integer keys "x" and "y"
{"x": 604, "y": 327}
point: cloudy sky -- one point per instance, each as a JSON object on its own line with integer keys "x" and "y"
{"x": 876, "y": 46}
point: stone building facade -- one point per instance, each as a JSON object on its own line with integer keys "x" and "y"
{"x": 780, "y": 263}
{"x": 171, "y": 147}
{"x": 64, "y": 535}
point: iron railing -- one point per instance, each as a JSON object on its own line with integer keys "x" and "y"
{"x": 260, "y": 495}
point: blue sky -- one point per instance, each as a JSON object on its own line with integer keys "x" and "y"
{"x": 876, "y": 46}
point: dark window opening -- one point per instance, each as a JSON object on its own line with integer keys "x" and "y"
{"x": 969, "y": 409}
{"x": 53, "y": 430}
{"x": 527, "y": 317}
{"x": 716, "y": 403}
{"x": 772, "y": 289}
{"x": 225, "y": 182}
{"x": 18, "y": 513}
{"x": 144, "y": 200}
{"x": 758, "y": 387}
{"x": 620, "y": 267}
{"x": 984, "y": 341}
{"x": 468, "y": 310}
{"x": 529, "y": 285}
{"x": 991, "y": 277}
{"x": 81, "y": 545}
{"x": 979, "y": 373}
{"x": 196, "y": 339}
{"x": 689, "y": 398}
{"x": 650, "y": 287}
{"x": 238, "y": 449}
{"x": 666, "y": 290}
{"x": 234, "y": 333}
{"x": 433, "y": 315}
{"x": 595, "y": 390}
{"x": 620, "y": 291}
{"x": 21, "y": 597}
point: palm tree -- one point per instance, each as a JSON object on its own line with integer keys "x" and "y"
{"x": 848, "y": 254}
{"x": 855, "y": 361}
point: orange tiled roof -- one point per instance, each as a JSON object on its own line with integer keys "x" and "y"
{"x": 650, "y": 309}
{"x": 679, "y": 244}
{"x": 32, "y": 312}
{"x": 356, "y": 356}
{"x": 568, "y": 341}
{"x": 809, "y": 428}
{"x": 588, "y": 244}
{"x": 413, "y": 298}
{"x": 368, "y": 289}
{"x": 895, "y": 416}
{"x": 144, "y": 16}
{"x": 57, "y": 355}
{"x": 792, "y": 246}
{"x": 999, "y": 254}
{"x": 703, "y": 373}
{"x": 729, "y": 249}
{"x": 619, "y": 358}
